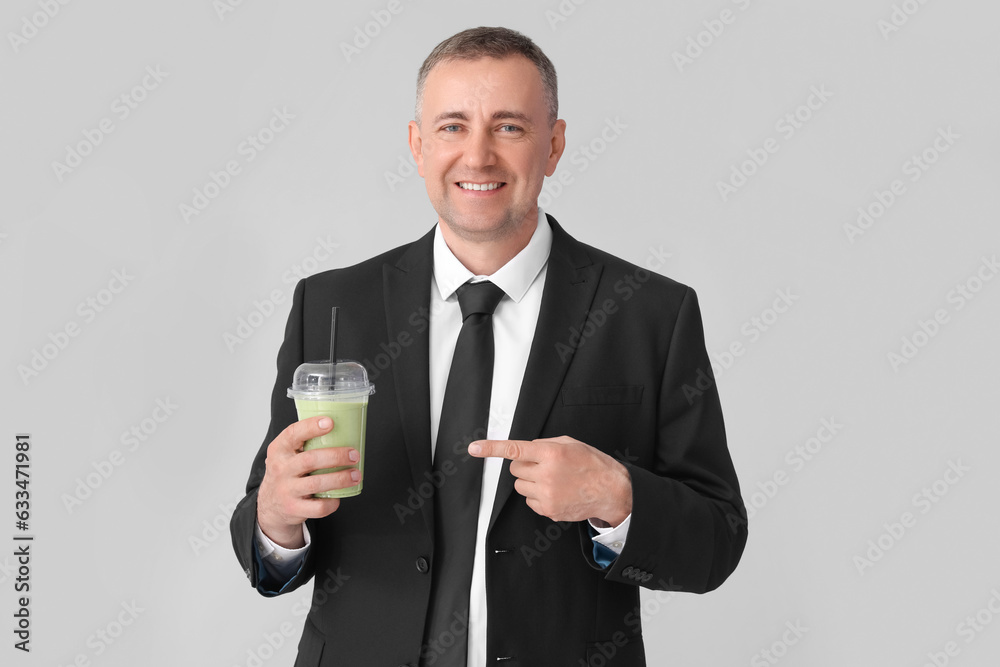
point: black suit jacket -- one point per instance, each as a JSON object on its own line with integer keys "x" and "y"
{"x": 618, "y": 361}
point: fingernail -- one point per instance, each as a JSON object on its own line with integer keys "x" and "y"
{"x": 355, "y": 476}
{"x": 475, "y": 449}
{"x": 353, "y": 455}
{"x": 325, "y": 423}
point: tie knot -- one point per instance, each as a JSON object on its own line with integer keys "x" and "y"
{"x": 478, "y": 298}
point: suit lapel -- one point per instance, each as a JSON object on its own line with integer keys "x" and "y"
{"x": 407, "y": 286}
{"x": 570, "y": 284}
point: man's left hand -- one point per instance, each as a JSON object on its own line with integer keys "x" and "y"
{"x": 565, "y": 479}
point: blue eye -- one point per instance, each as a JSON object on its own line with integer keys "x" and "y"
{"x": 450, "y": 128}
{"x": 509, "y": 128}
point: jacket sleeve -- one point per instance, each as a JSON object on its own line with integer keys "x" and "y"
{"x": 283, "y": 413}
{"x": 689, "y": 524}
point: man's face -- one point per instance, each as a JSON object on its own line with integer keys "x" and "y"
{"x": 483, "y": 144}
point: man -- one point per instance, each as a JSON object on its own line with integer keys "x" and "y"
{"x": 604, "y": 466}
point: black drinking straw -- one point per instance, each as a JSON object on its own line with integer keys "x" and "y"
{"x": 333, "y": 346}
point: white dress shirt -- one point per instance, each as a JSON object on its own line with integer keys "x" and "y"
{"x": 522, "y": 280}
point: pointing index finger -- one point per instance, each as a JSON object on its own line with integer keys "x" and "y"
{"x": 515, "y": 450}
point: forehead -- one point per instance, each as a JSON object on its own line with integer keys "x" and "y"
{"x": 484, "y": 82}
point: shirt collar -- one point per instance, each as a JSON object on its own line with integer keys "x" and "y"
{"x": 514, "y": 277}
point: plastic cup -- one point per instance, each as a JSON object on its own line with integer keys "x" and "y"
{"x": 339, "y": 391}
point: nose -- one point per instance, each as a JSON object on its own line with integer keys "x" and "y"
{"x": 480, "y": 150}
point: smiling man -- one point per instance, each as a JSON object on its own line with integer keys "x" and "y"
{"x": 521, "y": 486}
{"x": 484, "y": 139}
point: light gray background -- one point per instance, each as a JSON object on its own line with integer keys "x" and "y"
{"x": 134, "y": 540}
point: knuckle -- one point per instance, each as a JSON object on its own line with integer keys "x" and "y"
{"x": 339, "y": 455}
{"x": 316, "y": 459}
{"x": 307, "y": 461}
{"x": 315, "y": 484}
{"x": 273, "y": 451}
{"x": 344, "y": 478}
{"x": 274, "y": 470}
{"x": 287, "y": 436}
{"x": 298, "y": 432}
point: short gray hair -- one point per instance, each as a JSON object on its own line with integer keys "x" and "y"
{"x": 482, "y": 42}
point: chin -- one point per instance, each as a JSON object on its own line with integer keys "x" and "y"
{"x": 482, "y": 227}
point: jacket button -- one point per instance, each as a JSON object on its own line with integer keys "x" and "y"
{"x": 422, "y": 565}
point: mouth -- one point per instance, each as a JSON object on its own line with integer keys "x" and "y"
{"x": 479, "y": 187}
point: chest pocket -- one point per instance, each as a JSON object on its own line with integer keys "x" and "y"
{"x": 616, "y": 395}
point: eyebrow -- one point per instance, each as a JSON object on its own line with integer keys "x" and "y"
{"x": 497, "y": 115}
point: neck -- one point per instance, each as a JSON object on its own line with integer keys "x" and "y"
{"x": 484, "y": 257}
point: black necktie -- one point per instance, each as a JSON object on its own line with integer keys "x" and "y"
{"x": 464, "y": 417}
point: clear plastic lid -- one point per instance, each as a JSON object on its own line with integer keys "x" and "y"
{"x": 313, "y": 380}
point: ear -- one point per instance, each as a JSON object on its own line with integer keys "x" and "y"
{"x": 557, "y": 144}
{"x": 416, "y": 143}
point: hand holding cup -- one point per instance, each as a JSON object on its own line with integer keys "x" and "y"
{"x": 285, "y": 498}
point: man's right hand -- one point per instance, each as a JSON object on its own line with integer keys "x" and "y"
{"x": 284, "y": 499}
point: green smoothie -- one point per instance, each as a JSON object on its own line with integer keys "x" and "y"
{"x": 349, "y": 418}
{"x": 339, "y": 391}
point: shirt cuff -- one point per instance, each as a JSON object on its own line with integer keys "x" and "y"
{"x": 609, "y": 542}
{"x": 279, "y": 564}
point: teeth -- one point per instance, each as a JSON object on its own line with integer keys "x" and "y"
{"x": 478, "y": 186}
